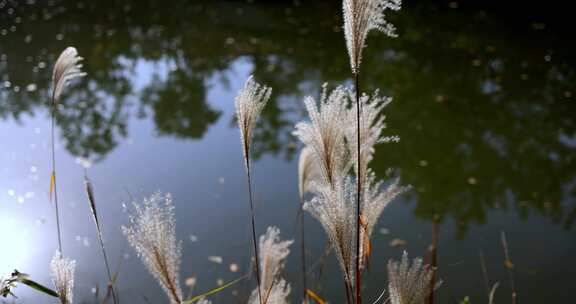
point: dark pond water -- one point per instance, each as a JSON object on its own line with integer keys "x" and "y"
{"x": 485, "y": 106}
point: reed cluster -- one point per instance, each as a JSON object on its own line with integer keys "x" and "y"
{"x": 335, "y": 181}
{"x": 152, "y": 233}
{"x": 328, "y": 141}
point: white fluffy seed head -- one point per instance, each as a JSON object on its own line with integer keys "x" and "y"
{"x": 62, "y": 275}
{"x": 324, "y": 134}
{"x": 408, "y": 284}
{"x": 372, "y": 125}
{"x": 273, "y": 251}
{"x": 335, "y": 209}
{"x": 361, "y": 16}
{"x": 152, "y": 233}
{"x": 249, "y": 103}
{"x": 66, "y": 68}
{"x": 376, "y": 196}
{"x": 307, "y": 170}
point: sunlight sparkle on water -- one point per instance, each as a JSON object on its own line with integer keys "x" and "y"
{"x": 16, "y": 246}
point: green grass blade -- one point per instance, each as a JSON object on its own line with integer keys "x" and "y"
{"x": 214, "y": 291}
{"x": 39, "y": 287}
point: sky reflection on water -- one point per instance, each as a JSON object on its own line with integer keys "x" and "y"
{"x": 486, "y": 120}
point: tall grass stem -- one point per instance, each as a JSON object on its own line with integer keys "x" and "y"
{"x": 253, "y": 224}
{"x": 53, "y": 177}
{"x": 359, "y": 190}
{"x": 92, "y": 201}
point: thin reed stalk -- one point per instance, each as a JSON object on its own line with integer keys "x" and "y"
{"x": 54, "y": 187}
{"x": 303, "y": 251}
{"x": 485, "y": 274}
{"x": 253, "y": 226}
{"x": 92, "y": 201}
{"x": 67, "y": 67}
{"x": 433, "y": 261}
{"x": 361, "y": 16}
{"x": 249, "y": 103}
{"x": 509, "y": 266}
{"x": 358, "y": 190}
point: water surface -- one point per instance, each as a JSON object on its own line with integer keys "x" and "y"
{"x": 484, "y": 106}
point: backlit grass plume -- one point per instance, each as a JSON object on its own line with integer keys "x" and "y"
{"x": 372, "y": 125}
{"x": 307, "y": 171}
{"x": 66, "y": 68}
{"x": 408, "y": 283}
{"x": 249, "y": 103}
{"x": 362, "y": 16}
{"x": 334, "y": 208}
{"x": 324, "y": 134}
{"x": 62, "y": 275}
{"x": 375, "y": 198}
{"x": 273, "y": 252}
{"x": 152, "y": 233}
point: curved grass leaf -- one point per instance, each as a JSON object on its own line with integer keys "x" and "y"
{"x": 214, "y": 291}
{"x": 39, "y": 287}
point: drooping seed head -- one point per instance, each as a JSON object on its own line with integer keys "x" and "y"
{"x": 361, "y": 16}
{"x": 324, "y": 134}
{"x": 273, "y": 252}
{"x": 249, "y": 103}
{"x": 152, "y": 233}
{"x": 66, "y": 68}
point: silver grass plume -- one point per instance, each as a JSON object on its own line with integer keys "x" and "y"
{"x": 249, "y": 102}
{"x": 307, "y": 170}
{"x": 362, "y": 16}
{"x": 372, "y": 126}
{"x": 67, "y": 67}
{"x": 408, "y": 284}
{"x": 273, "y": 252}
{"x": 62, "y": 275}
{"x": 324, "y": 134}
{"x": 375, "y": 198}
{"x": 334, "y": 208}
{"x": 152, "y": 233}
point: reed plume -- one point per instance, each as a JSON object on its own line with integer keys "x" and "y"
{"x": 330, "y": 138}
{"x": 66, "y": 68}
{"x": 249, "y": 103}
{"x": 333, "y": 207}
{"x": 409, "y": 283}
{"x": 152, "y": 233}
{"x": 273, "y": 252}
{"x": 62, "y": 275}
{"x": 372, "y": 125}
{"x": 92, "y": 201}
{"x": 375, "y": 198}
{"x": 324, "y": 134}
{"x": 307, "y": 171}
{"x": 361, "y": 16}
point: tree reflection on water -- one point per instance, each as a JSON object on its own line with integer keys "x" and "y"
{"x": 485, "y": 115}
